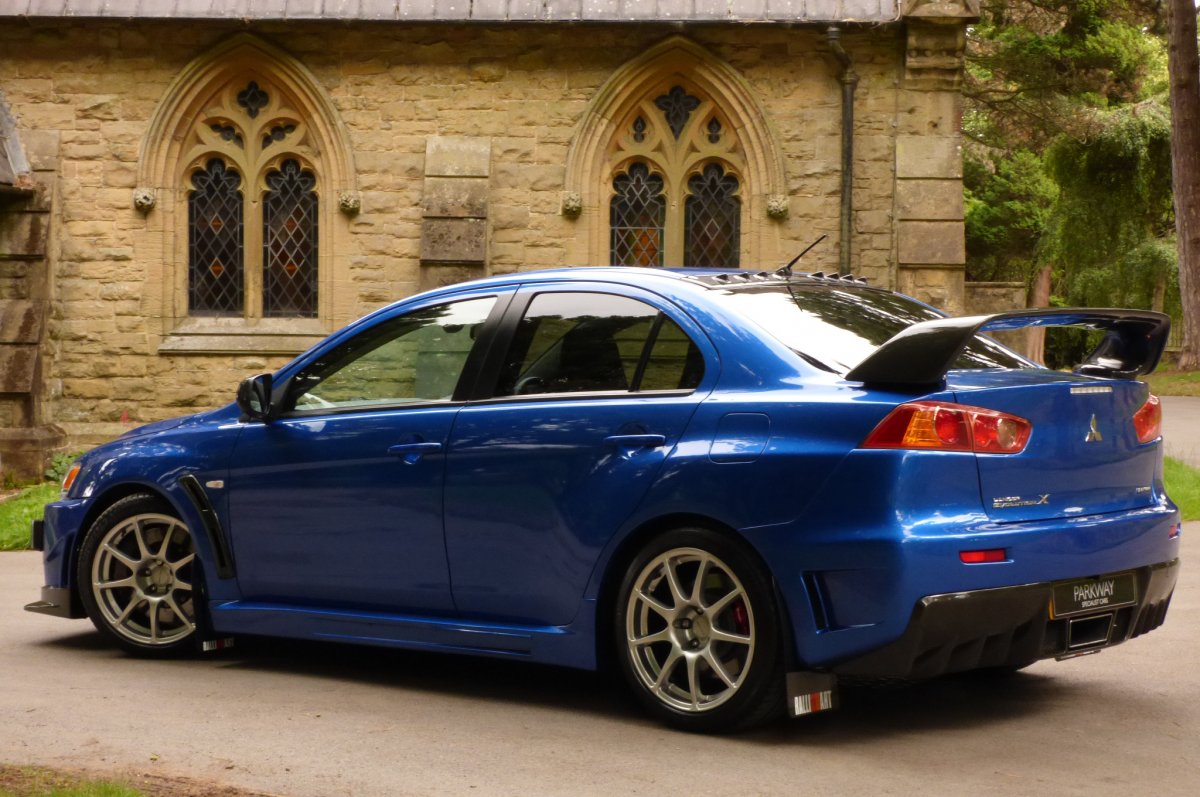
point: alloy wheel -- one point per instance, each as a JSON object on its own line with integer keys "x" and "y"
{"x": 142, "y": 575}
{"x": 689, "y": 629}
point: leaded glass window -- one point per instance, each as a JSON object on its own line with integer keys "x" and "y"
{"x": 290, "y": 242}
{"x": 253, "y": 190}
{"x": 680, "y": 204}
{"x": 637, "y": 216}
{"x": 215, "y": 241}
{"x": 677, "y": 105}
{"x": 713, "y": 219}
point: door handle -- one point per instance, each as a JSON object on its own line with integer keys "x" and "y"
{"x": 412, "y": 452}
{"x": 635, "y": 441}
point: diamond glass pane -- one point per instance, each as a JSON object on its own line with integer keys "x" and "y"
{"x": 636, "y": 217}
{"x": 215, "y": 241}
{"x": 290, "y": 242}
{"x": 713, "y": 220}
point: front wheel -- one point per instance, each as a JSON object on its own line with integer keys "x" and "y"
{"x": 697, "y": 632}
{"x": 138, "y": 577}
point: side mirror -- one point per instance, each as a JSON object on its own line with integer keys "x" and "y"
{"x": 254, "y": 398}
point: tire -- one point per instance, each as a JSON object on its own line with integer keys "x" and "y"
{"x": 139, "y": 579}
{"x": 706, "y": 660}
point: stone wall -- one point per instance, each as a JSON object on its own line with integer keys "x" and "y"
{"x": 96, "y": 86}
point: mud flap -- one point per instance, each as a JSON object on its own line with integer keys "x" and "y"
{"x": 810, "y": 692}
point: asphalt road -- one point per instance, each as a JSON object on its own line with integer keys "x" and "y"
{"x": 1181, "y": 428}
{"x": 309, "y": 719}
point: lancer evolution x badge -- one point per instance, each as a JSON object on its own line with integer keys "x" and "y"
{"x": 1093, "y": 435}
{"x": 1014, "y": 501}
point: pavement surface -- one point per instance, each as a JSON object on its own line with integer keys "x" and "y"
{"x": 1181, "y": 428}
{"x": 303, "y": 719}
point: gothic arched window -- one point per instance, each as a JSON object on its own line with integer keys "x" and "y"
{"x": 251, "y": 179}
{"x": 675, "y": 181}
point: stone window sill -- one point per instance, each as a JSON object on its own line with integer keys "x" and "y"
{"x": 243, "y": 336}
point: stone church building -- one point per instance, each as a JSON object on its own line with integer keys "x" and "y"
{"x": 192, "y": 191}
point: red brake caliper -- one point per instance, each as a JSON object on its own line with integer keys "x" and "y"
{"x": 741, "y": 617}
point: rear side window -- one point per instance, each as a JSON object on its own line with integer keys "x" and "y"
{"x": 596, "y": 342}
{"x": 838, "y": 328}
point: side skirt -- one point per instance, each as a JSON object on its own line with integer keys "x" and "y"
{"x": 567, "y": 646}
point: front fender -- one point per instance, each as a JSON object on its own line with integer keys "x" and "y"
{"x": 153, "y": 465}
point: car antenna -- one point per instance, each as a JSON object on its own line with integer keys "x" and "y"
{"x": 786, "y": 271}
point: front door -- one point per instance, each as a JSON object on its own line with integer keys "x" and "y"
{"x": 339, "y": 501}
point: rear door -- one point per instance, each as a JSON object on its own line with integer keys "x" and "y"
{"x": 594, "y": 388}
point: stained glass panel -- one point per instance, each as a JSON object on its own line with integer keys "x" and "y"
{"x": 253, "y": 99}
{"x": 290, "y": 242}
{"x": 714, "y": 130}
{"x": 278, "y": 133}
{"x": 677, "y": 105}
{"x": 713, "y": 220}
{"x": 637, "y": 215}
{"x": 215, "y": 241}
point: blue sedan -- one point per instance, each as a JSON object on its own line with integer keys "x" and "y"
{"x": 735, "y": 487}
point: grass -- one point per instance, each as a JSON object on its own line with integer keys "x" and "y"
{"x": 18, "y": 513}
{"x": 1183, "y": 485}
{"x": 1174, "y": 383}
{"x": 40, "y": 782}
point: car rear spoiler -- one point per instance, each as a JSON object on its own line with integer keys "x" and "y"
{"x": 921, "y": 355}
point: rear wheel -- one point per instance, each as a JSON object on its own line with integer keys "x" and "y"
{"x": 698, "y": 633}
{"x": 138, "y": 577}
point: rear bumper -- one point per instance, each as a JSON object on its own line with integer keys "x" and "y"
{"x": 1006, "y": 627}
{"x": 57, "y": 602}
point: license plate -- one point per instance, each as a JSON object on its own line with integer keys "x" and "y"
{"x": 1089, "y": 595}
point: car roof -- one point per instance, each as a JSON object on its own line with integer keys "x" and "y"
{"x": 709, "y": 278}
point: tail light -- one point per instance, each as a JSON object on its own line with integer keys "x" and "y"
{"x": 941, "y": 426}
{"x": 1147, "y": 421}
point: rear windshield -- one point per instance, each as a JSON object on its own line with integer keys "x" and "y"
{"x": 837, "y": 328}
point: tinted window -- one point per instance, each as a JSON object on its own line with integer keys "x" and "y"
{"x": 415, "y": 358}
{"x": 674, "y": 362}
{"x": 839, "y": 328}
{"x": 594, "y": 342}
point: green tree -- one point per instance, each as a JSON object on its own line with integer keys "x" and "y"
{"x": 1109, "y": 231}
{"x": 1067, "y": 170}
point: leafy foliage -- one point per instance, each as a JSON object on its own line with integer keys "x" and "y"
{"x": 1109, "y": 230}
{"x": 1068, "y": 162}
{"x": 60, "y": 463}
{"x": 1008, "y": 201}
{"x": 18, "y": 513}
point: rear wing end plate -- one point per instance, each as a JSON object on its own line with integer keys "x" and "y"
{"x": 921, "y": 355}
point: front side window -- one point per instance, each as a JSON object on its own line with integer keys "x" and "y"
{"x": 252, "y": 209}
{"x": 676, "y": 187}
{"x": 416, "y": 358}
{"x": 592, "y": 342}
